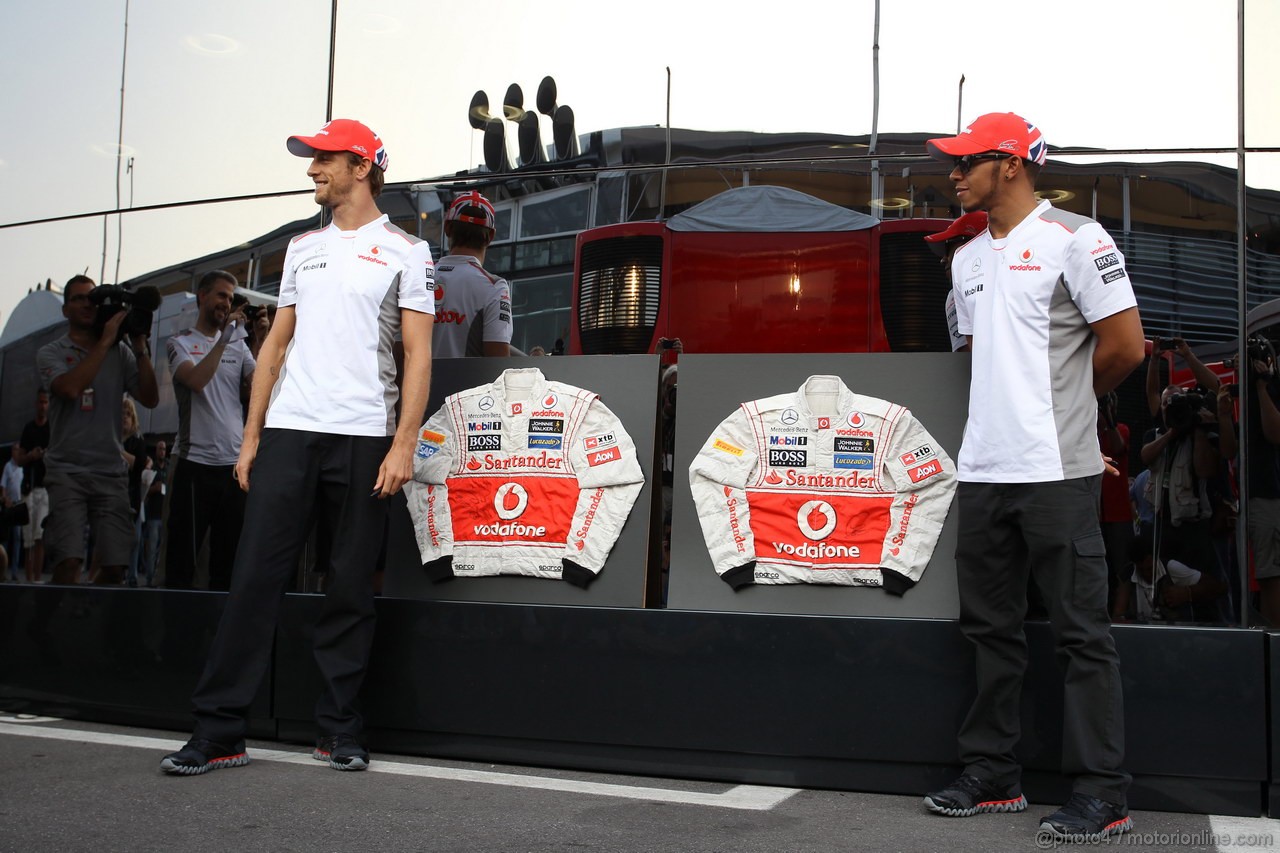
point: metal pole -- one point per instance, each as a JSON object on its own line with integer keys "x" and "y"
{"x": 666, "y": 161}
{"x": 124, "y": 56}
{"x": 328, "y": 106}
{"x": 333, "y": 48}
{"x": 959, "y": 104}
{"x": 1242, "y": 319}
{"x": 875, "y": 105}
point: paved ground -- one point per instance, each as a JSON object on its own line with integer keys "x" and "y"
{"x": 81, "y": 786}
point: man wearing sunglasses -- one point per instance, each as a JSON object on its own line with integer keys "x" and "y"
{"x": 1045, "y": 303}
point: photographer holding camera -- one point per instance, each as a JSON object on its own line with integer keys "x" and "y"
{"x": 1264, "y": 472}
{"x": 1183, "y": 457}
{"x": 211, "y": 366}
{"x": 87, "y": 372}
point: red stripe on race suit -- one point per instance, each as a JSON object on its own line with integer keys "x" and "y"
{"x": 550, "y": 505}
{"x": 856, "y": 537}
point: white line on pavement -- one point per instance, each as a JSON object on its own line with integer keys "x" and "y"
{"x": 748, "y": 797}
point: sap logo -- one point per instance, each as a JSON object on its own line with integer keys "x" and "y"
{"x": 788, "y": 458}
{"x": 484, "y": 442}
{"x": 789, "y": 440}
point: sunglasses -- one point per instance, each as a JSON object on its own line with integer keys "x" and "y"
{"x": 966, "y": 163}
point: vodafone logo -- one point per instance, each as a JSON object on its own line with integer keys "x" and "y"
{"x": 439, "y": 293}
{"x": 517, "y": 408}
{"x": 824, "y": 423}
{"x": 510, "y": 501}
{"x": 856, "y": 420}
{"x": 549, "y": 401}
{"x": 374, "y": 250}
{"x": 816, "y": 520}
{"x": 1027, "y": 255}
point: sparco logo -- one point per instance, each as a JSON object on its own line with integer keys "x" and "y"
{"x": 510, "y": 501}
{"x": 816, "y": 519}
{"x": 788, "y": 458}
{"x": 484, "y": 442}
{"x": 1106, "y": 261}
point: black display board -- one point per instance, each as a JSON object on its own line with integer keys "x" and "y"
{"x": 628, "y": 385}
{"x": 934, "y": 386}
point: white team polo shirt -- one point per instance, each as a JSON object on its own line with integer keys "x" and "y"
{"x": 211, "y": 420}
{"x": 1028, "y": 300}
{"x": 347, "y": 288}
{"x": 472, "y": 307}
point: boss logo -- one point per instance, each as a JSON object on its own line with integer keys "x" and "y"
{"x": 1106, "y": 262}
{"x": 788, "y": 458}
{"x": 484, "y": 442}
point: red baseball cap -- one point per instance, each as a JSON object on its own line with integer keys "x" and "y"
{"x": 473, "y": 208}
{"x": 965, "y": 229}
{"x": 1005, "y": 133}
{"x": 342, "y": 134}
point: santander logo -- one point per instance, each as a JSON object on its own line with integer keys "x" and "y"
{"x": 772, "y": 478}
{"x": 473, "y": 464}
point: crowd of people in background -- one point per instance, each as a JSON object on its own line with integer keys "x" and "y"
{"x": 114, "y": 506}
{"x": 1170, "y": 530}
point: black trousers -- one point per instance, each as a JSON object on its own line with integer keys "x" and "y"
{"x": 205, "y": 500}
{"x": 1049, "y": 530}
{"x": 295, "y": 473}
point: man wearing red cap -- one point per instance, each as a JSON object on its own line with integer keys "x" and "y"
{"x": 321, "y": 433}
{"x": 473, "y": 307}
{"x": 944, "y": 245}
{"x": 1043, "y": 298}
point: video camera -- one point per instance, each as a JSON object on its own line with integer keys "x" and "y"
{"x": 111, "y": 299}
{"x": 1180, "y": 412}
{"x": 1259, "y": 348}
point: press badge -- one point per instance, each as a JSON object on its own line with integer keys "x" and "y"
{"x": 86, "y": 400}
